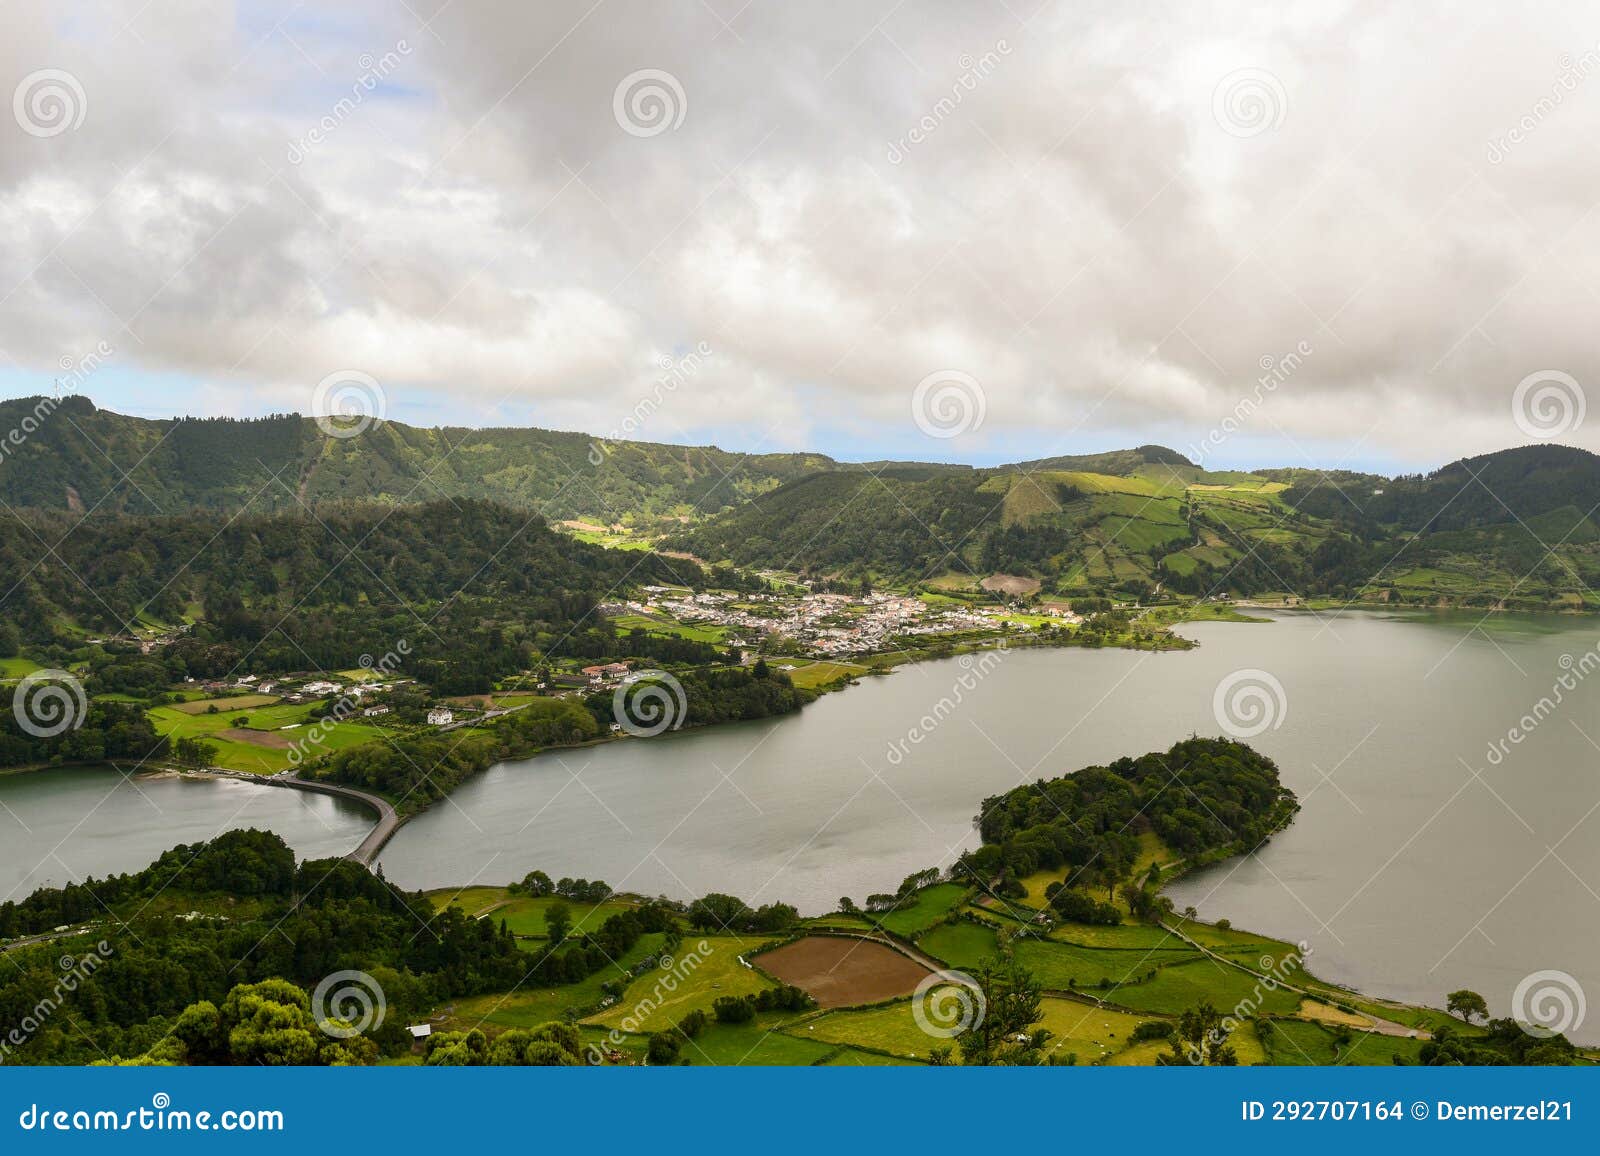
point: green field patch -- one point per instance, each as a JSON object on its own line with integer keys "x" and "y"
{"x": 227, "y": 704}
{"x": 856, "y": 1058}
{"x": 929, "y": 905}
{"x": 696, "y": 979}
{"x": 816, "y": 675}
{"x": 528, "y": 1007}
{"x": 1187, "y": 985}
{"x": 17, "y": 667}
{"x": 669, "y": 627}
{"x": 1066, "y": 965}
{"x": 959, "y": 943}
{"x": 758, "y": 1043}
{"x": 526, "y": 916}
{"x": 1091, "y": 1033}
{"x": 1299, "y": 1043}
{"x": 892, "y": 1028}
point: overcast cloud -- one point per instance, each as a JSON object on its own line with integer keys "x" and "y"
{"x": 1108, "y": 218}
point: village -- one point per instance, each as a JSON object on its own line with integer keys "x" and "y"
{"x": 831, "y": 625}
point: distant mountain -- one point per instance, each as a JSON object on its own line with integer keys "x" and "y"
{"x": 80, "y": 457}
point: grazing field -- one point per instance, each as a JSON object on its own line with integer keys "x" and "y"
{"x": 17, "y": 667}
{"x": 1297, "y": 1042}
{"x": 226, "y": 705}
{"x": 891, "y": 1029}
{"x": 1064, "y": 965}
{"x": 1205, "y": 981}
{"x": 700, "y": 977}
{"x": 930, "y": 905}
{"x": 670, "y": 627}
{"x": 840, "y": 972}
{"x": 254, "y": 739}
{"x": 529, "y": 1007}
{"x": 960, "y": 944}
{"x": 755, "y": 1043}
{"x": 815, "y": 675}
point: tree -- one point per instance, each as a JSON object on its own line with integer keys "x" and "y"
{"x": 1002, "y": 1031}
{"x": 558, "y": 921}
{"x": 1467, "y": 1004}
{"x": 1201, "y": 1040}
{"x": 537, "y": 884}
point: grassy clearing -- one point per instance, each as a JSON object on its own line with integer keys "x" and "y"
{"x": 959, "y": 944}
{"x": 1296, "y": 1042}
{"x": 227, "y": 704}
{"x": 1063, "y": 965}
{"x": 528, "y": 1007}
{"x": 816, "y": 675}
{"x": 755, "y": 1043}
{"x": 17, "y": 667}
{"x": 891, "y": 1029}
{"x": 648, "y": 1007}
{"x": 670, "y": 627}
{"x": 260, "y": 747}
{"x": 930, "y": 905}
{"x": 1187, "y": 985}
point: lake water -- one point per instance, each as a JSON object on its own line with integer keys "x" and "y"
{"x": 60, "y": 826}
{"x": 1417, "y": 865}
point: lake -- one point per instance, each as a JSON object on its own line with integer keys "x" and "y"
{"x": 59, "y": 826}
{"x": 1419, "y": 864}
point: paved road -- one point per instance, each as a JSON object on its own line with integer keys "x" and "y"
{"x": 388, "y": 821}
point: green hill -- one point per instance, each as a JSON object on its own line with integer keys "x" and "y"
{"x": 82, "y": 457}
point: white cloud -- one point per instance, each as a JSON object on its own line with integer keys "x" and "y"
{"x": 1077, "y": 231}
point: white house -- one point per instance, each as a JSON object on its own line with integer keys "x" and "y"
{"x": 441, "y": 716}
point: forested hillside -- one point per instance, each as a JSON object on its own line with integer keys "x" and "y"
{"x": 77, "y": 456}
{"x": 473, "y": 587}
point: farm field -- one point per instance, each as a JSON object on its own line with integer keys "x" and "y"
{"x": 931, "y": 904}
{"x": 647, "y": 1007}
{"x": 252, "y": 739}
{"x": 840, "y": 972}
{"x": 815, "y": 675}
{"x": 529, "y": 1007}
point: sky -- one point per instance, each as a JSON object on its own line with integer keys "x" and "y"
{"x": 1341, "y": 235}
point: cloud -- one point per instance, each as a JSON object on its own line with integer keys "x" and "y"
{"x": 1110, "y": 217}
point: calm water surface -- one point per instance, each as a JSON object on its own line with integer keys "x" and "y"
{"x": 59, "y": 826}
{"x": 1417, "y": 865}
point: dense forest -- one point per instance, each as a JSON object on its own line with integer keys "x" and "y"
{"x": 75, "y": 458}
{"x": 474, "y": 588}
{"x": 1203, "y": 798}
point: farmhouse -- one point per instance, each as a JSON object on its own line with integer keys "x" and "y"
{"x": 441, "y": 716}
